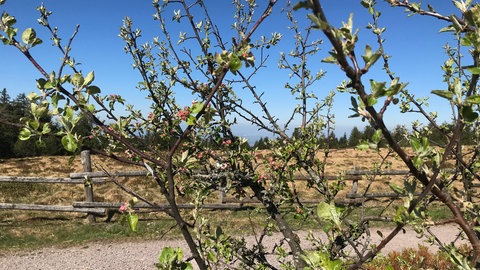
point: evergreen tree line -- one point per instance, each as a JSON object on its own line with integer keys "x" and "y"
{"x": 13, "y": 110}
{"x": 400, "y": 134}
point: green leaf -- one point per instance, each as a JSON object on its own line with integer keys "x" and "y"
{"x": 167, "y": 256}
{"x": 395, "y": 188}
{"x": 319, "y": 24}
{"x": 371, "y": 100}
{"x": 34, "y": 110}
{"x": 425, "y": 143}
{"x": 77, "y": 79}
{"x": 184, "y": 156}
{"x": 354, "y": 102}
{"x": 69, "y": 143}
{"x": 36, "y": 42}
{"x": 196, "y": 108}
{"x": 90, "y": 107}
{"x": 132, "y": 222}
{"x": 455, "y": 23}
{"x": 332, "y": 59}
{"x": 376, "y": 55}
{"x": 34, "y": 124}
{"x": 368, "y": 54}
{"x": 41, "y": 83}
{"x": 11, "y": 32}
{"x": 449, "y": 28}
{"x": 32, "y": 96}
{"x": 460, "y": 5}
{"x": 64, "y": 79}
{"x": 69, "y": 113}
{"x": 370, "y": 58}
{"x": 5, "y": 40}
{"x": 328, "y": 212}
{"x": 191, "y": 120}
{"x": 209, "y": 114}
{"x": 365, "y": 4}
{"x": 24, "y": 134}
{"x": 378, "y": 88}
{"x": 410, "y": 187}
{"x": 395, "y": 87}
{"x": 219, "y": 59}
{"x": 218, "y": 232}
{"x": 40, "y": 143}
{"x": 29, "y": 35}
{"x": 46, "y": 128}
{"x": 417, "y": 161}
{"x": 416, "y": 145}
{"x": 474, "y": 99}
{"x": 363, "y": 146}
{"x": 49, "y": 85}
{"x": 457, "y": 90}
{"x": 235, "y": 63}
{"x": 171, "y": 258}
{"x": 302, "y": 4}
{"x": 468, "y": 114}
{"x": 55, "y": 98}
{"x": 474, "y": 70}
{"x": 92, "y": 90}
{"x": 212, "y": 257}
{"x": 8, "y": 20}
{"x": 377, "y": 136}
{"x": 443, "y": 93}
{"x": 89, "y": 78}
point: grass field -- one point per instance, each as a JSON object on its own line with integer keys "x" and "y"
{"x": 338, "y": 161}
{"x": 29, "y": 229}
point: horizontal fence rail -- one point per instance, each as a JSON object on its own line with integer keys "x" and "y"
{"x": 82, "y": 175}
{"x": 46, "y": 180}
{"x": 88, "y": 179}
{"x": 154, "y": 207}
{"x": 55, "y": 208}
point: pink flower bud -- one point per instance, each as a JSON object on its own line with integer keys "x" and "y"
{"x": 123, "y": 207}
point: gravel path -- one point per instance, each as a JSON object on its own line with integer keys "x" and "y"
{"x": 143, "y": 255}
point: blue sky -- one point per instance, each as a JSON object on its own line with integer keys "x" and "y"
{"x": 413, "y": 42}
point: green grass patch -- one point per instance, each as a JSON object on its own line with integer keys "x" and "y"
{"x": 31, "y": 230}
{"x": 34, "y": 231}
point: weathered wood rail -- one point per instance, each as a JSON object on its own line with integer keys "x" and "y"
{"x": 89, "y": 179}
{"x": 46, "y": 180}
{"x": 355, "y": 194}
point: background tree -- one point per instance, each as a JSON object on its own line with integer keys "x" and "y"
{"x": 343, "y": 141}
{"x": 7, "y": 131}
{"x": 262, "y": 143}
{"x": 214, "y": 65}
{"x": 400, "y": 135}
{"x": 4, "y": 97}
{"x": 355, "y": 137}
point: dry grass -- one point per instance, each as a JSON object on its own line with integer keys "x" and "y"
{"x": 60, "y": 166}
{"x": 420, "y": 258}
{"x": 14, "y": 227}
{"x": 338, "y": 161}
{"x": 53, "y": 166}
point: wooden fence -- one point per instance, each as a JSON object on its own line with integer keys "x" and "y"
{"x": 89, "y": 179}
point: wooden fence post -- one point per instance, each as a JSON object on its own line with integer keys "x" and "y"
{"x": 354, "y": 190}
{"x": 87, "y": 167}
{"x": 221, "y": 195}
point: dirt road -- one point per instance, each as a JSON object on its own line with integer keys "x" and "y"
{"x": 143, "y": 255}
